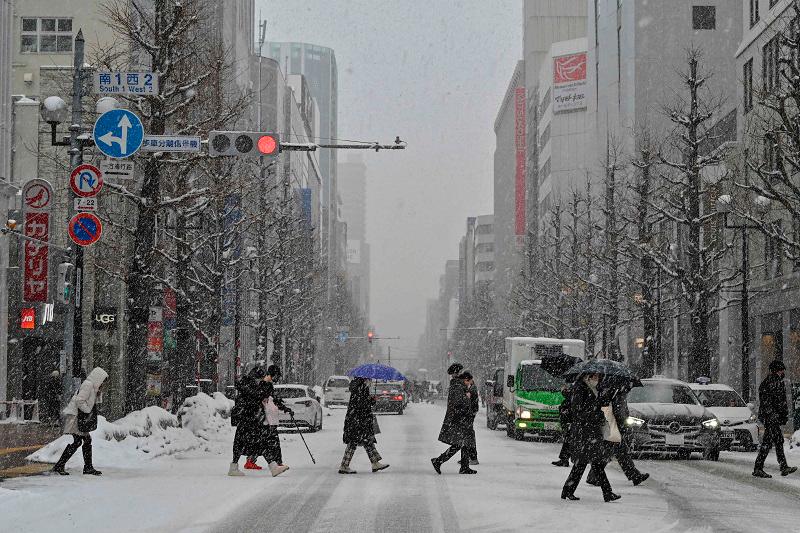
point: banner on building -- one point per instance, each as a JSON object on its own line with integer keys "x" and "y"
{"x": 37, "y": 195}
{"x": 569, "y": 82}
{"x": 521, "y": 151}
{"x": 353, "y": 251}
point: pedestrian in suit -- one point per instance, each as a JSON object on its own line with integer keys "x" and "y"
{"x": 773, "y": 411}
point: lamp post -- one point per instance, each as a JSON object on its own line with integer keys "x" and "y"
{"x": 724, "y": 207}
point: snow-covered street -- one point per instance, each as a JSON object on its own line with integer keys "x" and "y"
{"x": 517, "y": 488}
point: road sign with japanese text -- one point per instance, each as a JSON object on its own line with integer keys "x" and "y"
{"x": 140, "y": 83}
{"x": 170, "y": 143}
{"x": 120, "y": 169}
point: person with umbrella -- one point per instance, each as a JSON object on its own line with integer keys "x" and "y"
{"x": 587, "y": 444}
{"x": 565, "y": 418}
{"x": 455, "y": 427}
{"x": 360, "y": 427}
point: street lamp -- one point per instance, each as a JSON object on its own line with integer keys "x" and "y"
{"x": 724, "y": 206}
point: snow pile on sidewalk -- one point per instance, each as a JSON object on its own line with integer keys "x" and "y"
{"x": 794, "y": 442}
{"x": 202, "y": 424}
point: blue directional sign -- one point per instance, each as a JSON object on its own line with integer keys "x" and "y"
{"x": 118, "y": 133}
{"x": 342, "y": 336}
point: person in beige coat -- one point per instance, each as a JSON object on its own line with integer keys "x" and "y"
{"x": 84, "y": 401}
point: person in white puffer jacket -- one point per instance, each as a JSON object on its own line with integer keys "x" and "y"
{"x": 85, "y": 401}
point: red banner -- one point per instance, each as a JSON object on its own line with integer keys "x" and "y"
{"x": 520, "y": 143}
{"x": 36, "y": 258}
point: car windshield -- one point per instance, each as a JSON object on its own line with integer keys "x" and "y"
{"x": 662, "y": 393}
{"x": 533, "y": 378}
{"x": 338, "y": 382}
{"x": 720, "y": 398}
{"x": 290, "y": 392}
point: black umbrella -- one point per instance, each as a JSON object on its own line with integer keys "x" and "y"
{"x": 610, "y": 370}
{"x": 557, "y": 364}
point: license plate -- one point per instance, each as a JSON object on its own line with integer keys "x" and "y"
{"x": 551, "y": 426}
{"x": 673, "y": 440}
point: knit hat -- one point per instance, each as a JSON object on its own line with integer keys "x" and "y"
{"x": 455, "y": 368}
{"x": 776, "y": 366}
{"x": 274, "y": 371}
{"x": 465, "y": 375}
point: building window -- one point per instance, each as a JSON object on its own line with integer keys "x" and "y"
{"x": 769, "y": 64}
{"x": 773, "y": 254}
{"x": 485, "y": 248}
{"x": 747, "y": 80}
{"x": 484, "y": 229}
{"x": 45, "y": 35}
{"x": 754, "y": 16}
{"x": 704, "y": 17}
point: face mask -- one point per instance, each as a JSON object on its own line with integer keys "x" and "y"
{"x": 593, "y": 382}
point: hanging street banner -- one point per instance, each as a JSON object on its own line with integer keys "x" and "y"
{"x": 121, "y": 169}
{"x": 125, "y": 83}
{"x": 86, "y": 181}
{"x": 569, "y": 82}
{"x": 170, "y": 143}
{"x": 37, "y": 199}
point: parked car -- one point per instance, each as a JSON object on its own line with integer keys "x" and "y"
{"x": 389, "y": 397}
{"x": 739, "y": 424}
{"x": 666, "y": 416}
{"x": 495, "y": 414}
{"x": 336, "y": 391}
{"x": 305, "y": 404}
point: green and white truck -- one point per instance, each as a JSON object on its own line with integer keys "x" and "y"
{"x": 531, "y": 396}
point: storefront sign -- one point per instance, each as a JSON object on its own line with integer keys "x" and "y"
{"x": 569, "y": 82}
{"x": 28, "y": 318}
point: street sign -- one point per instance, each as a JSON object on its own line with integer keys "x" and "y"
{"x": 37, "y": 195}
{"x": 125, "y": 83}
{"x": 85, "y": 229}
{"x": 86, "y": 180}
{"x": 118, "y": 133}
{"x": 170, "y": 143}
{"x": 85, "y": 204}
{"x": 117, "y": 168}
{"x": 341, "y": 336}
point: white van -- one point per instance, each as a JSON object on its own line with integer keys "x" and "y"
{"x": 336, "y": 391}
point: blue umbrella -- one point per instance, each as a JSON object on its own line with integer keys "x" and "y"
{"x": 376, "y": 371}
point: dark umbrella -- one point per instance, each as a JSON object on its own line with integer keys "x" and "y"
{"x": 376, "y": 371}
{"x": 611, "y": 370}
{"x": 557, "y": 364}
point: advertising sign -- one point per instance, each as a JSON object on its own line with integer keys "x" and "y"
{"x": 569, "y": 82}
{"x": 36, "y": 257}
{"x": 153, "y": 384}
{"x": 521, "y": 151}
{"x": 28, "y": 318}
{"x": 155, "y": 335}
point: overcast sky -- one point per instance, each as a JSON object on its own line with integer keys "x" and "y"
{"x": 433, "y": 72}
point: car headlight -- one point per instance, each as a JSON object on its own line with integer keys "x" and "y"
{"x": 712, "y": 423}
{"x": 752, "y": 418}
{"x": 523, "y": 413}
{"x": 634, "y": 422}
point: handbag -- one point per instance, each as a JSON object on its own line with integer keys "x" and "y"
{"x": 610, "y": 429}
{"x": 87, "y": 422}
{"x": 375, "y": 427}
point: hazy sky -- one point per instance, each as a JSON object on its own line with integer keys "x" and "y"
{"x": 433, "y": 72}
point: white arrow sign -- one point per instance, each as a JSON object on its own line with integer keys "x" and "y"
{"x": 109, "y": 138}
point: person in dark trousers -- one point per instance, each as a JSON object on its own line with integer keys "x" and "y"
{"x": 619, "y": 406}
{"x": 773, "y": 411}
{"x": 83, "y": 403}
{"x": 359, "y": 427}
{"x": 457, "y": 421}
{"x": 587, "y": 444}
{"x": 51, "y": 398}
{"x": 269, "y": 443}
{"x": 248, "y": 413}
{"x": 474, "y": 402}
{"x": 565, "y": 418}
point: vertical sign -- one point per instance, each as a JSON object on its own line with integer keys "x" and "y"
{"x": 28, "y": 318}
{"x": 37, "y": 197}
{"x": 520, "y": 144}
{"x": 569, "y": 82}
{"x": 155, "y": 335}
{"x": 232, "y": 246}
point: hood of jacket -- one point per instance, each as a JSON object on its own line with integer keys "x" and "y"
{"x": 97, "y": 376}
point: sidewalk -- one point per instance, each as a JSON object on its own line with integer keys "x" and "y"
{"x": 17, "y": 441}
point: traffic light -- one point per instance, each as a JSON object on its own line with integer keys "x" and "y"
{"x": 243, "y": 144}
{"x": 370, "y": 335}
{"x": 64, "y": 283}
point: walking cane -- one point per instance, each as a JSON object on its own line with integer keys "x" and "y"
{"x": 302, "y": 438}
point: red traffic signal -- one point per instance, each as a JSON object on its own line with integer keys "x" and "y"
{"x": 267, "y": 144}
{"x": 370, "y": 335}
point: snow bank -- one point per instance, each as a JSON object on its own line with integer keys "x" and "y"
{"x": 794, "y": 442}
{"x": 202, "y": 424}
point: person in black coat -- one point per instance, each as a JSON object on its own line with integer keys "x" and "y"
{"x": 456, "y": 425}
{"x": 586, "y": 433}
{"x": 619, "y": 406}
{"x": 474, "y": 403}
{"x": 266, "y": 442}
{"x": 248, "y": 413}
{"x": 773, "y": 411}
{"x": 565, "y": 418}
{"x": 360, "y": 427}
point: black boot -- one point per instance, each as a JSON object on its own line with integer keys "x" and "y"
{"x": 88, "y": 468}
{"x": 65, "y": 455}
{"x": 437, "y": 465}
{"x": 639, "y": 478}
{"x": 610, "y": 497}
{"x": 759, "y": 472}
{"x": 786, "y": 470}
{"x": 561, "y": 462}
{"x": 465, "y": 469}
{"x": 568, "y": 496}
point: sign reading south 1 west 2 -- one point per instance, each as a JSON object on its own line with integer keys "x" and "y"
{"x": 85, "y": 229}
{"x": 118, "y": 133}
{"x": 125, "y": 83}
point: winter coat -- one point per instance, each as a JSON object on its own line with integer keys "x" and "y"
{"x": 474, "y": 401}
{"x": 84, "y": 400}
{"x": 773, "y": 408}
{"x": 564, "y": 411}
{"x": 358, "y": 428}
{"x": 586, "y": 429}
{"x": 458, "y": 417}
{"x": 250, "y": 393}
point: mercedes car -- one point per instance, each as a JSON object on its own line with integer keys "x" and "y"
{"x": 738, "y": 422}
{"x": 666, "y": 417}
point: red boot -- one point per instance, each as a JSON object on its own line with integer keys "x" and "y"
{"x": 251, "y": 465}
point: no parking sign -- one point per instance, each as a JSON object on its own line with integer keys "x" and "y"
{"x": 85, "y": 229}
